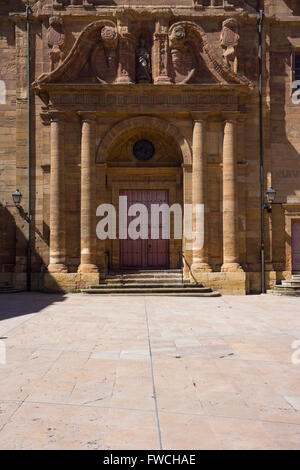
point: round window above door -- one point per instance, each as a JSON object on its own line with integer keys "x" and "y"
{"x": 143, "y": 150}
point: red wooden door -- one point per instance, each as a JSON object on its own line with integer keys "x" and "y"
{"x": 146, "y": 254}
{"x": 296, "y": 245}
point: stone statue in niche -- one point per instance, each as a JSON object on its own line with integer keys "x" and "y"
{"x": 229, "y": 41}
{"x": 143, "y": 63}
{"x": 182, "y": 55}
{"x": 58, "y": 4}
{"x": 56, "y": 42}
{"x": 104, "y": 62}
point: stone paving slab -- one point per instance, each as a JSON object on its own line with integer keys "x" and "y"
{"x": 149, "y": 373}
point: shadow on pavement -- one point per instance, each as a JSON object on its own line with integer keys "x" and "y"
{"x": 25, "y": 303}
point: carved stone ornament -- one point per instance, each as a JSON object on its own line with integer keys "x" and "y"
{"x": 104, "y": 60}
{"x": 109, "y": 51}
{"x": 229, "y": 41}
{"x": 182, "y": 55}
{"x": 161, "y": 52}
{"x": 56, "y": 41}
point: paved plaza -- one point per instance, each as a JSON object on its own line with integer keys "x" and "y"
{"x": 86, "y": 372}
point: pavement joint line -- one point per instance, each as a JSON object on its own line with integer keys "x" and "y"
{"x": 238, "y": 418}
{"x": 76, "y": 405}
{"x": 13, "y": 413}
{"x": 169, "y": 412}
{"x": 153, "y": 377}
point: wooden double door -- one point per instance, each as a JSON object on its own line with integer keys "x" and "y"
{"x": 145, "y": 254}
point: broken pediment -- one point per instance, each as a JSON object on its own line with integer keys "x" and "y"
{"x": 193, "y": 59}
{"x": 110, "y": 53}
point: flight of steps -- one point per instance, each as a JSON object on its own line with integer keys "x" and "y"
{"x": 7, "y": 288}
{"x": 291, "y": 287}
{"x": 167, "y": 283}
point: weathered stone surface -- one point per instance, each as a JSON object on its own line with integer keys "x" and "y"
{"x": 193, "y": 75}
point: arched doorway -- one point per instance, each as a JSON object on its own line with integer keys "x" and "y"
{"x": 144, "y": 157}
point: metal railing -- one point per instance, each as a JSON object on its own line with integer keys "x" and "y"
{"x": 184, "y": 262}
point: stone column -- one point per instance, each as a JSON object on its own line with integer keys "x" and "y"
{"x": 200, "y": 249}
{"x": 88, "y": 193}
{"x": 230, "y": 206}
{"x": 57, "y": 198}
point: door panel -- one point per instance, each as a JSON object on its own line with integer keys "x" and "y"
{"x": 158, "y": 250}
{"x": 296, "y": 245}
{"x": 145, "y": 253}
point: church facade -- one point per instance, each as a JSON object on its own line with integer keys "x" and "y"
{"x": 159, "y": 104}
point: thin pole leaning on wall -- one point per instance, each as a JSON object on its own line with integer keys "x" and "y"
{"x": 28, "y": 251}
{"x": 29, "y": 143}
{"x": 261, "y": 145}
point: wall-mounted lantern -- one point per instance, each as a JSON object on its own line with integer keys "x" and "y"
{"x": 271, "y": 195}
{"x": 17, "y": 197}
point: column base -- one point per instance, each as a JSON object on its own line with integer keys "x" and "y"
{"x": 57, "y": 268}
{"x": 124, "y": 81}
{"x": 201, "y": 268}
{"x": 88, "y": 268}
{"x": 162, "y": 80}
{"x": 231, "y": 268}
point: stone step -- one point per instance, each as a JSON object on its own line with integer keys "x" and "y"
{"x": 291, "y": 283}
{"x": 289, "y": 291}
{"x": 150, "y": 291}
{"x": 149, "y": 274}
{"x": 4, "y": 284}
{"x": 150, "y": 286}
{"x": 141, "y": 282}
{"x": 146, "y": 276}
{"x": 152, "y": 282}
{"x": 146, "y": 271}
{"x": 9, "y": 290}
{"x": 156, "y": 294}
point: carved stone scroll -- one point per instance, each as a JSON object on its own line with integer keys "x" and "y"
{"x": 229, "y": 41}
{"x": 56, "y": 41}
{"x": 183, "y": 58}
{"x": 104, "y": 60}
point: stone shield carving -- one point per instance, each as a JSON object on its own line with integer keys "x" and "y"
{"x": 183, "y": 58}
{"x": 104, "y": 58}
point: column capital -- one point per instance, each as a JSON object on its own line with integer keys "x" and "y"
{"x": 234, "y": 116}
{"x": 57, "y": 116}
{"x": 87, "y": 116}
{"x": 199, "y": 116}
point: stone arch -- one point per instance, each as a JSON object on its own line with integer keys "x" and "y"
{"x": 144, "y": 122}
